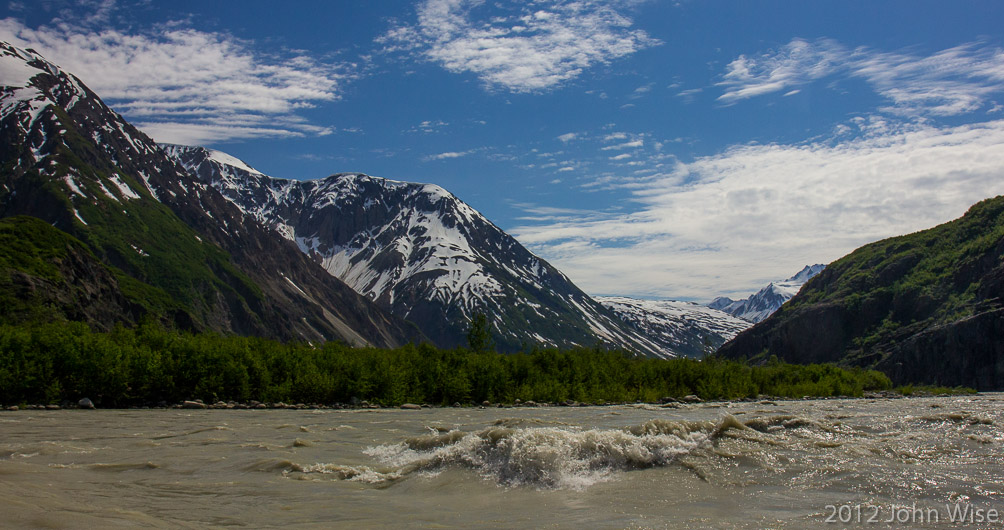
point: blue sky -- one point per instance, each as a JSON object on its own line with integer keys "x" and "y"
{"x": 656, "y": 149}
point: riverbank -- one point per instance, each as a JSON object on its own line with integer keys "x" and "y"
{"x": 666, "y": 402}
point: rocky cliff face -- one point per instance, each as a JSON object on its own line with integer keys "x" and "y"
{"x": 923, "y": 308}
{"x": 178, "y": 249}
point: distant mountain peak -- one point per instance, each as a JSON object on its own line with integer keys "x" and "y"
{"x": 806, "y": 273}
{"x": 764, "y": 302}
{"x": 683, "y": 329}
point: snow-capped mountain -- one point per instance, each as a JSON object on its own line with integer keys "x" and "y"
{"x": 761, "y": 305}
{"x": 684, "y": 328}
{"x": 153, "y": 242}
{"x": 420, "y": 252}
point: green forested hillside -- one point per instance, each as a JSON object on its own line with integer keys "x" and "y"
{"x": 924, "y": 307}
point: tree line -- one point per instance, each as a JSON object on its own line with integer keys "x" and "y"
{"x": 147, "y": 365}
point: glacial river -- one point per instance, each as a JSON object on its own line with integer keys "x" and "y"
{"x": 908, "y": 463}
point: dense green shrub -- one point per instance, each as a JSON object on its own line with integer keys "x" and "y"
{"x": 146, "y": 365}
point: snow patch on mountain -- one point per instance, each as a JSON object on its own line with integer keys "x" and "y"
{"x": 146, "y": 182}
{"x": 70, "y": 183}
{"x": 123, "y": 188}
{"x": 17, "y": 94}
{"x": 413, "y": 242}
{"x": 229, "y": 160}
{"x": 14, "y": 69}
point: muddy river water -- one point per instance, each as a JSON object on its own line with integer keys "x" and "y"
{"x": 906, "y": 463}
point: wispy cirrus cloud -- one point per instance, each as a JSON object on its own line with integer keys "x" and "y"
{"x": 182, "y": 85}
{"x": 538, "y": 46}
{"x": 537, "y": 212}
{"x": 950, "y": 82}
{"x": 429, "y": 127}
{"x": 626, "y": 145}
{"x": 448, "y": 155}
{"x": 726, "y": 224}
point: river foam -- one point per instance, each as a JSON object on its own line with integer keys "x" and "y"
{"x": 520, "y": 452}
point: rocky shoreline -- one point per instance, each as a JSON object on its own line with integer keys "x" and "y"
{"x": 666, "y": 402}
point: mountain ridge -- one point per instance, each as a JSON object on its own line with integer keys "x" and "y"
{"x": 420, "y": 252}
{"x": 177, "y": 249}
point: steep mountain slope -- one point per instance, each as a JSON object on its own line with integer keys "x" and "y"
{"x": 764, "y": 302}
{"x": 923, "y": 308}
{"x": 681, "y": 328}
{"x": 421, "y": 253}
{"x": 46, "y": 275}
{"x": 175, "y": 248}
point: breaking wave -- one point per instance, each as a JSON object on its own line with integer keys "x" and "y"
{"x": 957, "y": 417}
{"x": 517, "y": 452}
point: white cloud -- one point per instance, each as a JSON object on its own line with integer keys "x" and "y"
{"x": 641, "y": 91}
{"x": 951, "y": 82}
{"x": 626, "y": 145}
{"x": 188, "y": 86}
{"x": 550, "y": 213}
{"x": 448, "y": 155}
{"x": 690, "y": 94}
{"x": 537, "y": 47}
{"x": 729, "y": 223}
{"x": 429, "y": 126}
{"x": 568, "y": 137}
{"x": 205, "y": 134}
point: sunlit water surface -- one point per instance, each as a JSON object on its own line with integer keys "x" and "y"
{"x": 788, "y": 464}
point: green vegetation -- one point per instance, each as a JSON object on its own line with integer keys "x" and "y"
{"x": 54, "y": 362}
{"x": 479, "y": 337}
{"x": 914, "y": 281}
{"x": 31, "y": 247}
{"x": 157, "y": 261}
{"x": 923, "y": 390}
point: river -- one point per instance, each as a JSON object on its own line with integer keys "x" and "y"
{"x": 905, "y": 463}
